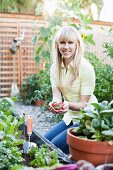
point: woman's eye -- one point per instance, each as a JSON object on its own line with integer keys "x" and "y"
{"x": 62, "y": 42}
{"x": 70, "y": 42}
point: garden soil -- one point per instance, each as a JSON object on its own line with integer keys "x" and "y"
{"x": 43, "y": 120}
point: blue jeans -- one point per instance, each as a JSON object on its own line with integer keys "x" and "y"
{"x": 58, "y": 135}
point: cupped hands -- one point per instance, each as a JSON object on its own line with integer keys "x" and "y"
{"x": 58, "y": 107}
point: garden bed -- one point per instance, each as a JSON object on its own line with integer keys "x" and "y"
{"x": 36, "y": 137}
{"x": 42, "y": 121}
{"x": 39, "y": 140}
{"x": 14, "y": 140}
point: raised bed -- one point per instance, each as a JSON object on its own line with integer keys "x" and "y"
{"x": 13, "y": 147}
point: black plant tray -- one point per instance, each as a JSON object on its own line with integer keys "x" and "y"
{"x": 38, "y": 139}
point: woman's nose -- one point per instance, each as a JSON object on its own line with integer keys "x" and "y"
{"x": 66, "y": 45}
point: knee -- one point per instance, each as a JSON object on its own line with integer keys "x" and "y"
{"x": 61, "y": 145}
{"x": 48, "y": 136}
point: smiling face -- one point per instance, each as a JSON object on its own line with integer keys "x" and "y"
{"x": 67, "y": 48}
{"x": 66, "y": 41}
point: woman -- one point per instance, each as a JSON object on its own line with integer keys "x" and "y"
{"x": 72, "y": 77}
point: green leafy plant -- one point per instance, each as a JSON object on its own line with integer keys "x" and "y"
{"x": 42, "y": 51}
{"x": 72, "y": 8}
{"x": 9, "y": 125}
{"x": 58, "y": 106}
{"x": 97, "y": 123}
{"x": 108, "y": 46}
{"x": 11, "y": 142}
{"x": 36, "y": 87}
{"x": 10, "y": 153}
{"x": 28, "y": 87}
{"x": 104, "y": 78}
{"x": 43, "y": 157}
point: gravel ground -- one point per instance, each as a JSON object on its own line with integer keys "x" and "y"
{"x": 42, "y": 120}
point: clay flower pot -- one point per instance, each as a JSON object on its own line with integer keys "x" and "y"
{"x": 40, "y": 103}
{"x": 92, "y": 151}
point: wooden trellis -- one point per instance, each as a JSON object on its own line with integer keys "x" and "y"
{"x": 14, "y": 68}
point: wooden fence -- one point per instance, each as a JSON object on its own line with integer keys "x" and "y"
{"x": 15, "y": 68}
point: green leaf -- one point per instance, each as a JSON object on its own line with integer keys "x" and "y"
{"x": 88, "y": 110}
{"x": 88, "y": 124}
{"x": 11, "y": 136}
{"x": 46, "y": 54}
{"x": 37, "y": 58}
{"x": 44, "y": 32}
{"x": 85, "y": 19}
{"x": 108, "y": 132}
{"x": 21, "y": 121}
{"x": 39, "y": 49}
{"x": 11, "y": 129}
{"x": 96, "y": 105}
{"x": 2, "y": 134}
{"x": 90, "y": 115}
{"x": 9, "y": 100}
{"x": 19, "y": 167}
{"x": 55, "y": 21}
{"x": 110, "y": 103}
{"x": 34, "y": 40}
{"x": 14, "y": 99}
{"x": 89, "y": 39}
{"x": 104, "y": 126}
{"x": 107, "y": 112}
{"x": 3, "y": 125}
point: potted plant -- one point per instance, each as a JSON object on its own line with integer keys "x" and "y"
{"x": 36, "y": 89}
{"x": 93, "y": 139}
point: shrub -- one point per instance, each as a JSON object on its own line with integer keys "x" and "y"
{"x": 36, "y": 87}
{"x": 104, "y": 78}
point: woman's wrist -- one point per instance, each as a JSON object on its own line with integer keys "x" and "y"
{"x": 77, "y": 106}
{"x": 69, "y": 104}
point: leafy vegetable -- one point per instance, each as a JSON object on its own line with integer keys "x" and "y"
{"x": 43, "y": 156}
{"x": 98, "y": 123}
{"x": 58, "y": 106}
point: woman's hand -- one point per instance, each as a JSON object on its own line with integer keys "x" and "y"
{"x": 65, "y": 107}
{"x": 52, "y": 109}
{"x": 58, "y": 107}
{"x": 84, "y": 165}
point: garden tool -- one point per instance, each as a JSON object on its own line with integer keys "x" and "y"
{"x": 29, "y": 128}
{"x": 27, "y": 145}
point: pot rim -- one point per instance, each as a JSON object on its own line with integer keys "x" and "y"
{"x": 85, "y": 139}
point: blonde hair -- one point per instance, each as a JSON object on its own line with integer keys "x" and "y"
{"x": 67, "y": 33}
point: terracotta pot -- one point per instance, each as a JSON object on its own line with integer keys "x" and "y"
{"x": 40, "y": 103}
{"x": 93, "y": 151}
